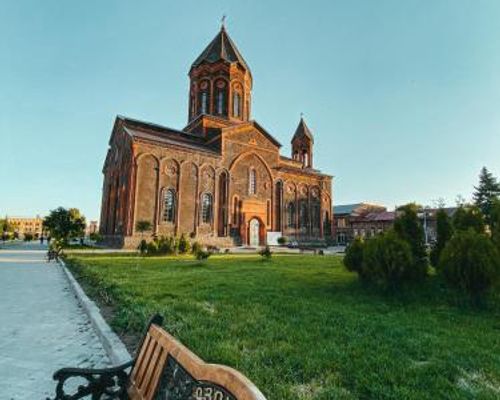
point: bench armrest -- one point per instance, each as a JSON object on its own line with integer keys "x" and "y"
{"x": 111, "y": 382}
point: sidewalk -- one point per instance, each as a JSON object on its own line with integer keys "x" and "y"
{"x": 42, "y": 327}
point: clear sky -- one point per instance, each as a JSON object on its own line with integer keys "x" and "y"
{"x": 403, "y": 97}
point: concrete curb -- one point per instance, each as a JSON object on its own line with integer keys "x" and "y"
{"x": 114, "y": 347}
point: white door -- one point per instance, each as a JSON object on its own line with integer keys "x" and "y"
{"x": 254, "y": 232}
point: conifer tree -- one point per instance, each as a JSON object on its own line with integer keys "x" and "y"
{"x": 486, "y": 192}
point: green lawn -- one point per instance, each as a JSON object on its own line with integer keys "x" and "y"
{"x": 302, "y": 327}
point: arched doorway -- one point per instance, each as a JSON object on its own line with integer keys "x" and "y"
{"x": 253, "y": 232}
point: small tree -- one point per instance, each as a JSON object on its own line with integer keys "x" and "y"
{"x": 353, "y": 259}
{"x": 266, "y": 253}
{"x": 468, "y": 217}
{"x": 196, "y": 247}
{"x": 485, "y": 193}
{"x": 64, "y": 224}
{"x": 387, "y": 261}
{"x": 408, "y": 228}
{"x": 470, "y": 263}
{"x": 444, "y": 231}
{"x": 28, "y": 237}
{"x": 143, "y": 226}
{"x": 184, "y": 245}
{"x": 143, "y": 247}
{"x": 202, "y": 255}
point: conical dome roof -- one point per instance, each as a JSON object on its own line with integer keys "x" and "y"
{"x": 303, "y": 130}
{"x": 221, "y": 48}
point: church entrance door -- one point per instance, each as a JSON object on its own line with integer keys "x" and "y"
{"x": 254, "y": 232}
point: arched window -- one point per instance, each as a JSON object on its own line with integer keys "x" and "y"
{"x": 220, "y": 97}
{"x": 316, "y": 216}
{"x": 204, "y": 97}
{"x": 303, "y": 215}
{"x": 305, "y": 158}
{"x": 236, "y": 211}
{"x": 206, "y": 208}
{"x": 169, "y": 206}
{"x": 204, "y": 102}
{"x": 252, "y": 181}
{"x": 290, "y": 213}
{"x": 236, "y": 105}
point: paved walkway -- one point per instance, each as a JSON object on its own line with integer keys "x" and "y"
{"x": 42, "y": 327}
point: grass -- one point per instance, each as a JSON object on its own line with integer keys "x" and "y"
{"x": 302, "y": 327}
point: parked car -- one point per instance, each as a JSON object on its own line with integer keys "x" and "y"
{"x": 293, "y": 244}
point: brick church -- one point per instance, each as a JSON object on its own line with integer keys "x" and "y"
{"x": 221, "y": 179}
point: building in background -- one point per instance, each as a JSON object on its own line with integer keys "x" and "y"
{"x": 91, "y": 228}
{"x": 349, "y": 220}
{"x": 366, "y": 220}
{"x": 221, "y": 179}
{"x": 24, "y": 225}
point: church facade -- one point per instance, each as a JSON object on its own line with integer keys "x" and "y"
{"x": 221, "y": 179}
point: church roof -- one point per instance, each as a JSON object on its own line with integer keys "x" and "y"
{"x": 303, "y": 130}
{"x": 159, "y": 134}
{"x": 221, "y": 48}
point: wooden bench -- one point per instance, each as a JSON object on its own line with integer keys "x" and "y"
{"x": 163, "y": 369}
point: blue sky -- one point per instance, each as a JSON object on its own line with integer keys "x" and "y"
{"x": 403, "y": 97}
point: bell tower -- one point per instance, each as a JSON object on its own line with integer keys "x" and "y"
{"x": 302, "y": 145}
{"x": 220, "y": 82}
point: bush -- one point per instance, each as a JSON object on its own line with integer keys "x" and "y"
{"x": 184, "y": 245}
{"x": 28, "y": 237}
{"x": 353, "y": 259}
{"x": 164, "y": 246}
{"x": 202, "y": 255}
{"x": 470, "y": 263}
{"x": 266, "y": 253}
{"x": 152, "y": 248}
{"x": 444, "y": 231}
{"x": 95, "y": 237}
{"x": 282, "y": 240}
{"x": 196, "y": 248}
{"x": 143, "y": 247}
{"x": 387, "y": 261}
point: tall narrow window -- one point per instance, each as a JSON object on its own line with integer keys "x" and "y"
{"x": 252, "y": 181}
{"x": 204, "y": 102}
{"x": 303, "y": 215}
{"x": 206, "y": 208}
{"x": 236, "y": 105}
{"x": 220, "y": 103}
{"x": 290, "y": 213}
{"x": 236, "y": 211}
{"x": 268, "y": 213}
{"x": 169, "y": 206}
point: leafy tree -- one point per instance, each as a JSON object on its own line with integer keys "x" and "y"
{"x": 486, "y": 192}
{"x": 408, "y": 228}
{"x": 468, "y": 217}
{"x": 6, "y": 226}
{"x": 143, "y": 226}
{"x": 495, "y": 223}
{"x": 64, "y": 224}
{"x": 387, "y": 261}
{"x": 470, "y": 263}
{"x": 444, "y": 231}
{"x": 353, "y": 259}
